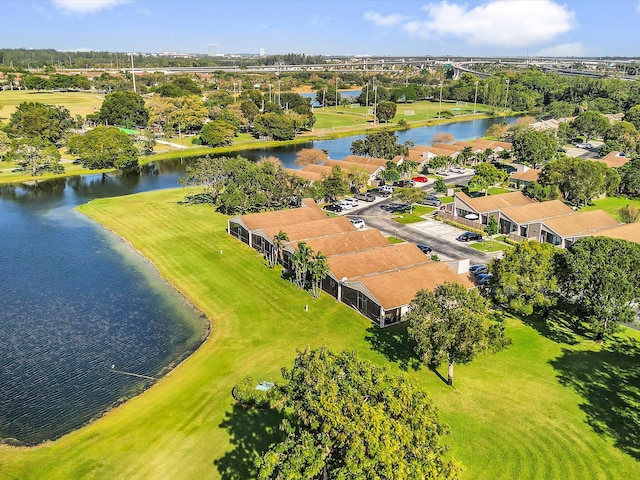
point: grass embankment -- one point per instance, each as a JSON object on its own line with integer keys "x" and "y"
{"x": 510, "y": 416}
{"x": 612, "y": 205}
{"x": 78, "y": 103}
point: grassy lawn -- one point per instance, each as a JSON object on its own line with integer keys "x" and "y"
{"x": 490, "y": 246}
{"x": 524, "y": 413}
{"x": 611, "y": 205}
{"x": 395, "y": 240}
{"x": 418, "y": 211}
{"x": 78, "y": 103}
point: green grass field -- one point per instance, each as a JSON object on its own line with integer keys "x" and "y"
{"x": 78, "y": 103}
{"x": 611, "y": 205}
{"x": 526, "y": 413}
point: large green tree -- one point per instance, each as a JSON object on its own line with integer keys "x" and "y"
{"x": 590, "y": 124}
{"x": 124, "y": 109}
{"x": 33, "y": 119}
{"x": 35, "y": 155}
{"x": 409, "y": 195}
{"x": 579, "y": 180}
{"x": 534, "y": 148}
{"x": 383, "y": 144}
{"x": 451, "y": 324}
{"x": 278, "y": 126}
{"x": 524, "y": 277}
{"x": 488, "y": 175}
{"x": 633, "y": 116}
{"x": 217, "y": 133}
{"x": 336, "y": 184}
{"x": 105, "y": 147}
{"x": 346, "y": 418}
{"x": 385, "y": 111}
{"x": 602, "y": 277}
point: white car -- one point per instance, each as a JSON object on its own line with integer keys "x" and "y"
{"x": 345, "y": 205}
{"x": 443, "y": 173}
{"x": 352, "y": 201}
{"x": 358, "y": 223}
{"x": 458, "y": 170}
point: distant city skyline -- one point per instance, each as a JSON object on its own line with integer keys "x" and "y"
{"x": 596, "y": 28}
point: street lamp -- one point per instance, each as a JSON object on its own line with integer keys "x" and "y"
{"x": 475, "y": 98}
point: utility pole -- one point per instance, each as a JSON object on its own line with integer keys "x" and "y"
{"x": 440, "y": 105}
{"x": 507, "y": 95}
{"x": 475, "y": 98}
{"x": 375, "y": 101}
{"x": 133, "y": 74}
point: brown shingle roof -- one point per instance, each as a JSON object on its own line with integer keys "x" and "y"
{"x": 369, "y": 168}
{"x": 343, "y": 242}
{"x": 613, "y": 159}
{"x": 281, "y": 218}
{"x": 491, "y": 203}
{"x": 380, "y": 162}
{"x": 537, "y": 211}
{"x": 628, "y": 231}
{"x": 530, "y": 175}
{"x": 580, "y": 224}
{"x": 394, "y": 289}
{"x": 380, "y": 259}
{"x": 309, "y": 229}
{"x": 305, "y": 174}
{"x": 320, "y": 169}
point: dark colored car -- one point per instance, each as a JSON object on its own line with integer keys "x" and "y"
{"x": 469, "y": 237}
{"x": 474, "y": 268}
{"x": 367, "y": 197}
{"x": 480, "y": 271}
{"x": 484, "y": 278}
{"x": 334, "y": 207}
{"x": 426, "y": 249}
{"x": 404, "y": 183}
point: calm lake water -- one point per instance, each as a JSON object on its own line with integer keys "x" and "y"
{"x": 80, "y": 311}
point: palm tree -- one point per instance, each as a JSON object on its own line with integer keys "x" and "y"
{"x": 319, "y": 269}
{"x": 301, "y": 262}
{"x": 276, "y": 252}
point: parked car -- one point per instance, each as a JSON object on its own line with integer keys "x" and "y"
{"x": 443, "y": 173}
{"x": 458, "y": 170}
{"x": 358, "y": 223}
{"x": 484, "y": 278}
{"x": 420, "y": 179}
{"x": 478, "y": 266}
{"x": 404, "y": 183}
{"x": 334, "y": 207}
{"x": 431, "y": 200}
{"x": 426, "y": 249}
{"x": 480, "y": 271}
{"x": 584, "y": 145}
{"x": 367, "y": 197}
{"x": 380, "y": 192}
{"x": 345, "y": 205}
{"x": 386, "y": 188}
{"x": 469, "y": 236}
{"x": 352, "y": 201}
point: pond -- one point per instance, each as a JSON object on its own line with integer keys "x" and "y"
{"x": 85, "y": 322}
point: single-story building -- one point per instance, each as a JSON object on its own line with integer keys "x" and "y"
{"x": 479, "y": 209}
{"x": 626, "y": 231}
{"x": 525, "y": 220}
{"x": 613, "y": 159}
{"x": 523, "y": 177}
{"x": 342, "y": 242}
{"x": 563, "y": 231}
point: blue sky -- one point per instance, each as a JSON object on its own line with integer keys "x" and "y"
{"x": 340, "y": 27}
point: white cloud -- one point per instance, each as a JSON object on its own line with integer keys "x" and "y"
{"x": 505, "y": 23}
{"x": 564, "y": 50}
{"x": 385, "y": 21}
{"x": 86, "y": 6}
{"x": 638, "y": 7}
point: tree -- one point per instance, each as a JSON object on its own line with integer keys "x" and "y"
{"x": 579, "y": 180}
{"x": 358, "y": 178}
{"x": 497, "y": 130}
{"x": 492, "y": 226}
{"x": 103, "y": 148}
{"x": 534, "y": 148}
{"x": 335, "y": 184}
{"x": 36, "y": 155}
{"x": 346, "y": 418}
{"x": 633, "y": 116}
{"x": 5, "y": 145}
{"x": 440, "y": 185}
{"x": 629, "y": 214}
{"x": 33, "y": 119}
{"x": 145, "y": 142}
{"x": 541, "y": 193}
{"x": 275, "y": 125}
{"x": 442, "y": 138}
{"x": 591, "y": 124}
{"x": 409, "y": 195}
{"x": 524, "y": 277}
{"x": 601, "y": 276}
{"x": 125, "y": 109}
{"x": 630, "y": 178}
{"x": 308, "y": 156}
{"x": 279, "y": 240}
{"x": 383, "y": 144}
{"x": 250, "y": 110}
{"x": 301, "y": 262}
{"x": 451, "y": 324}
{"x": 488, "y": 175}
{"x": 217, "y": 133}
{"x": 385, "y": 111}
{"x": 318, "y": 269}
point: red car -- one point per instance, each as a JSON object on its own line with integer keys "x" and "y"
{"x": 420, "y": 179}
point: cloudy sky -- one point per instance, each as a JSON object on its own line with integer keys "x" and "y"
{"x": 340, "y": 27}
